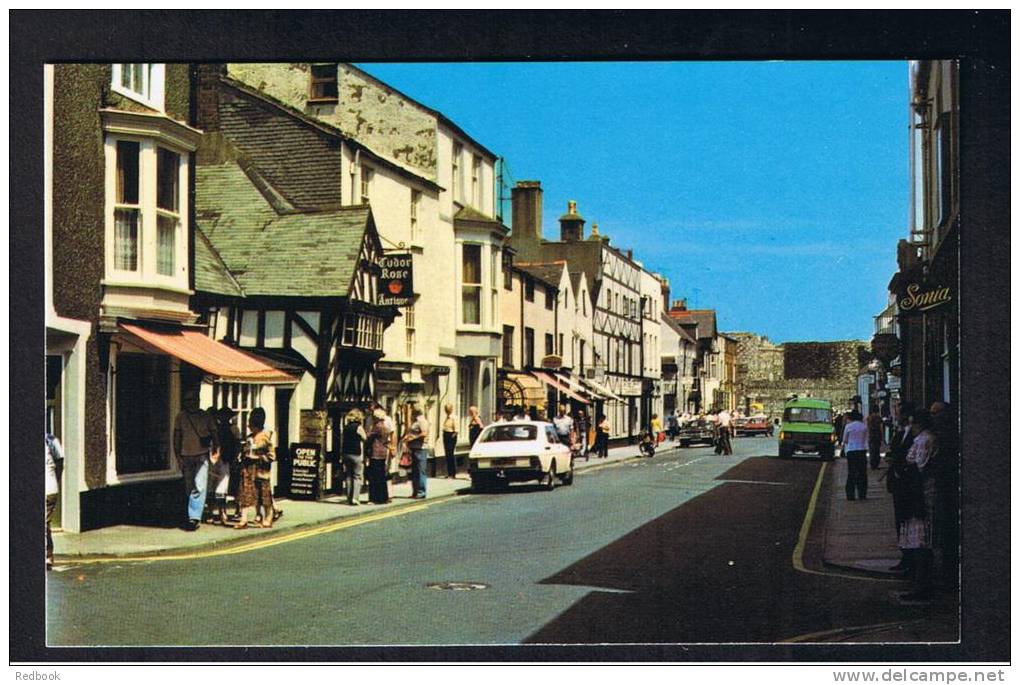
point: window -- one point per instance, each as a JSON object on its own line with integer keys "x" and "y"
{"x": 493, "y": 287}
{"x": 476, "y": 187}
{"x": 147, "y": 238}
{"x": 550, "y": 299}
{"x": 322, "y": 82}
{"x": 549, "y": 344}
{"x": 142, "y": 429}
{"x": 140, "y": 82}
{"x": 529, "y": 347}
{"x": 362, "y": 330}
{"x": 366, "y": 183}
{"x": 471, "y": 284}
{"x": 508, "y": 277}
{"x": 127, "y": 210}
{"x": 168, "y": 211}
{"x": 239, "y": 397}
{"x": 508, "y": 346}
{"x": 415, "y": 201}
{"x": 458, "y": 189}
{"x": 559, "y": 350}
{"x": 529, "y": 289}
{"x": 580, "y": 354}
{"x": 409, "y": 325}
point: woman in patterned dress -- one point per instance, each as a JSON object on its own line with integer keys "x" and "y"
{"x": 256, "y": 463}
{"x": 915, "y": 535}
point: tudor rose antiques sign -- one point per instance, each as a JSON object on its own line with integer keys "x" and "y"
{"x": 396, "y": 286}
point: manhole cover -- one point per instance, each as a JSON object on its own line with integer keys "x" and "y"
{"x": 456, "y": 585}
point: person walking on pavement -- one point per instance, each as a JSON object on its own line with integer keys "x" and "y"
{"x": 196, "y": 441}
{"x": 378, "y": 458}
{"x": 475, "y": 424}
{"x": 725, "y": 422}
{"x": 875, "y": 427}
{"x": 353, "y": 448}
{"x": 417, "y": 439}
{"x": 564, "y": 425}
{"x": 54, "y": 467}
{"x": 602, "y": 437}
{"x": 916, "y": 532}
{"x": 855, "y": 448}
{"x": 897, "y": 478}
{"x": 257, "y": 457}
{"x": 450, "y": 432}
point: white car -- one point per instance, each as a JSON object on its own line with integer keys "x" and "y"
{"x": 517, "y": 451}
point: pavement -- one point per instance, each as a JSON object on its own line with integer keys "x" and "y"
{"x": 860, "y": 535}
{"x": 127, "y": 541}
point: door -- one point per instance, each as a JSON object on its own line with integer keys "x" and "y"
{"x": 283, "y": 397}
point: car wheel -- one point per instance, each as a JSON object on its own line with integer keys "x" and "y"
{"x": 481, "y": 483}
{"x": 549, "y": 481}
{"x": 684, "y": 443}
{"x": 785, "y": 452}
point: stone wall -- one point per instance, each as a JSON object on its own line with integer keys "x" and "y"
{"x": 840, "y": 359}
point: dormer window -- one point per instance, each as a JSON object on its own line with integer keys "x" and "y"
{"x": 323, "y": 85}
{"x": 143, "y": 83}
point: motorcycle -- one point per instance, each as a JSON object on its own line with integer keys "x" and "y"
{"x": 647, "y": 445}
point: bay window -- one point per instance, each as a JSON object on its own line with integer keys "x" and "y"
{"x": 143, "y": 83}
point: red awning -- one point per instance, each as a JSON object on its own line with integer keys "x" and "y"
{"x": 215, "y": 358}
{"x": 551, "y": 381}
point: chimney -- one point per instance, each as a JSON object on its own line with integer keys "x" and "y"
{"x": 665, "y": 288}
{"x": 526, "y": 205}
{"x": 680, "y": 305}
{"x": 207, "y": 96}
{"x": 630, "y": 254}
{"x": 571, "y": 224}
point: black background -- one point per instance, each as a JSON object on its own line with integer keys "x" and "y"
{"x": 980, "y": 39}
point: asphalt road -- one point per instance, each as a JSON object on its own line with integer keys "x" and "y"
{"x": 686, "y": 547}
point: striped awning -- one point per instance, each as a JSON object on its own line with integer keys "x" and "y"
{"x": 552, "y": 382}
{"x": 216, "y": 359}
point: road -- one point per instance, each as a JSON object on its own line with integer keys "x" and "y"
{"x": 686, "y": 547}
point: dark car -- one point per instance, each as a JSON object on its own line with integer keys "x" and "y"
{"x": 696, "y": 432}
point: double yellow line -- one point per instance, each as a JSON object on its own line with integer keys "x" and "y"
{"x": 255, "y": 544}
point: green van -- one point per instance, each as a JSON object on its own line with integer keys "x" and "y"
{"x": 807, "y": 427}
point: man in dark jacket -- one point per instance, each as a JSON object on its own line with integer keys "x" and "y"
{"x": 195, "y": 443}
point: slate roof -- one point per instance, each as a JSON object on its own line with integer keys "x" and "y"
{"x": 681, "y": 330}
{"x": 301, "y": 254}
{"x": 704, "y": 318}
{"x": 211, "y": 274}
{"x": 547, "y": 272}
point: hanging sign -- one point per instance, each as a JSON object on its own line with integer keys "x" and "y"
{"x": 552, "y": 361}
{"x": 885, "y": 347}
{"x": 921, "y": 298}
{"x": 396, "y": 287}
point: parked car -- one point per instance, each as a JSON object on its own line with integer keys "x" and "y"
{"x": 697, "y": 431}
{"x": 807, "y": 427}
{"x": 519, "y": 451}
{"x": 759, "y": 424}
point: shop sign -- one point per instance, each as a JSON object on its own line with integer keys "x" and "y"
{"x": 552, "y": 361}
{"x": 885, "y": 347}
{"x": 396, "y": 287}
{"x": 892, "y": 382}
{"x": 630, "y": 387}
{"x": 306, "y": 463}
{"x": 669, "y": 387}
{"x": 920, "y": 298}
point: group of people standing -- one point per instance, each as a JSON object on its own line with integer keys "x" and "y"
{"x": 923, "y": 479}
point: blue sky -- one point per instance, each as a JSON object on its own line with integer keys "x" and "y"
{"x": 773, "y": 192}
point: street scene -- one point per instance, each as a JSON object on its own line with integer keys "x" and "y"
{"x": 345, "y": 346}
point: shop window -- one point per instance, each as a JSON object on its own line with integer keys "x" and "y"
{"x": 240, "y": 398}
{"x": 142, "y": 427}
{"x": 471, "y": 284}
{"x": 322, "y": 82}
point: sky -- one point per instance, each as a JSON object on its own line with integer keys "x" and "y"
{"x": 772, "y": 192}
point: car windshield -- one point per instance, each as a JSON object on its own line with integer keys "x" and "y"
{"x": 807, "y": 415}
{"x": 509, "y": 433}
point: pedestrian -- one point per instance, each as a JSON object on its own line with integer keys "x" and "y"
{"x": 656, "y": 427}
{"x": 257, "y": 455}
{"x": 54, "y": 468}
{"x": 450, "y": 432}
{"x": 855, "y": 448}
{"x": 195, "y": 440}
{"x": 947, "y": 492}
{"x": 219, "y": 480}
{"x": 581, "y": 428}
{"x": 475, "y": 424}
{"x": 602, "y": 437}
{"x": 839, "y": 423}
{"x": 725, "y": 421}
{"x": 916, "y": 532}
{"x": 533, "y": 413}
{"x": 379, "y": 440}
{"x": 522, "y": 414}
{"x": 897, "y": 478}
{"x": 353, "y": 448}
{"x": 874, "y": 437}
{"x": 564, "y": 425}
{"x": 416, "y": 440}
{"x": 230, "y": 448}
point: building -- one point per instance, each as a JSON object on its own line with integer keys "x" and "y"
{"x": 123, "y": 335}
{"x": 652, "y": 401}
{"x": 728, "y": 386}
{"x": 679, "y": 348}
{"x": 615, "y": 288}
{"x": 758, "y": 360}
{"x": 431, "y": 189}
{"x": 925, "y": 285}
{"x": 709, "y": 366}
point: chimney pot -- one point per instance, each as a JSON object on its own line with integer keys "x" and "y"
{"x": 571, "y": 224}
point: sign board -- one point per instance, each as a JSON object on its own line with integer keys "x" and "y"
{"x": 552, "y": 361}
{"x": 306, "y": 464}
{"x": 885, "y": 347}
{"x": 669, "y": 387}
{"x": 630, "y": 387}
{"x": 892, "y": 382}
{"x": 396, "y": 283}
{"x": 921, "y": 298}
